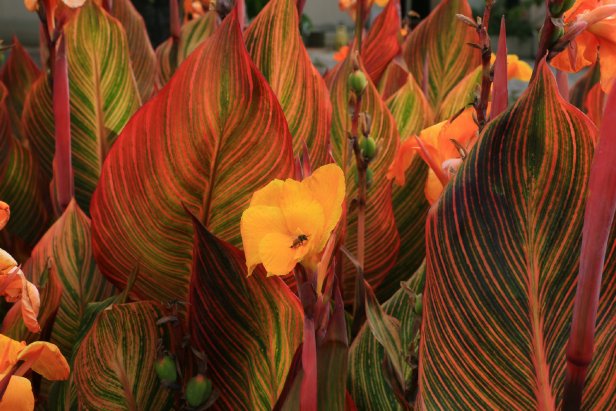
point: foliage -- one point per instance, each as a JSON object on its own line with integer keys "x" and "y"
{"x": 213, "y": 224}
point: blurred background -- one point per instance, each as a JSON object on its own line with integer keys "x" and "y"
{"x": 325, "y": 27}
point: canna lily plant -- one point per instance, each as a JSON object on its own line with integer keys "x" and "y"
{"x": 213, "y": 224}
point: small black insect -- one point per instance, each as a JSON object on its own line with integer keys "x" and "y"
{"x": 299, "y": 241}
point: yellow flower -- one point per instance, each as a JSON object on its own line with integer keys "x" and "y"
{"x": 290, "y": 221}
{"x": 42, "y": 357}
{"x": 516, "y": 68}
{"x": 18, "y": 395}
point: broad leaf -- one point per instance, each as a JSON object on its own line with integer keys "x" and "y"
{"x": 103, "y": 96}
{"x": 67, "y": 244}
{"x": 172, "y": 53}
{"x": 369, "y": 385}
{"x": 412, "y": 113}
{"x": 461, "y": 96}
{"x": 18, "y": 74}
{"x": 381, "y": 234}
{"x": 248, "y": 327}
{"x": 503, "y": 254}
{"x": 440, "y": 41}
{"x": 381, "y": 44}
{"x": 19, "y": 183}
{"x": 114, "y": 366}
{"x": 275, "y": 45}
{"x": 231, "y": 140}
{"x": 142, "y": 57}
{"x": 582, "y": 87}
{"x": 394, "y": 77}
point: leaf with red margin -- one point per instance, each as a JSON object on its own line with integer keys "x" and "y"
{"x": 393, "y": 78}
{"x": 461, "y": 96}
{"x": 18, "y": 74}
{"x": 114, "y": 365}
{"x": 381, "y": 44}
{"x": 382, "y": 239}
{"x": 103, "y": 96}
{"x": 68, "y": 245}
{"x": 169, "y": 56}
{"x": 230, "y": 139}
{"x": 412, "y": 113}
{"x": 275, "y": 45}
{"x": 248, "y": 327}
{"x": 441, "y": 39}
{"x": 19, "y": 183}
{"x": 503, "y": 253}
{"x": 142, "y": 57}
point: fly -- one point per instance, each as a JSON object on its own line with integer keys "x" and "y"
{"x": 299, "y": 241}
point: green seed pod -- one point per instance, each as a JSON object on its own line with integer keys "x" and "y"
{"x": 369, "y": 177}
{"x": 165, "y": 369}
{"x": 368, "y": 147}
{"x": 418, "y": 304}
{"x": 557, "y": 34}
{"x": 357, "y": 82}
{"x": 558, "y": 9}
{"x": 198, "y": 390}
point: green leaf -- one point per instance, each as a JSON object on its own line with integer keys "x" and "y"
{"x": 114, "y": 366}
{"x": 503, "y": 254}
{"x": 230, "y": 140}
{"x": 248, "y": 327}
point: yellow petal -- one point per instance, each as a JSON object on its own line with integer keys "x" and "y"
{"x": 328, "y": 187}
{"x": 5, "y": 213}
{"x": 7, "y": 262}
{"x": 31, "y": 5}
{"x": 278, "y": 254}
{"x": 9, "y": 350}
{"x": 268, "y": 195}
{"x": 302, "y": 212}
{"x": 46, "y": 359}
{"x": 256, "y": 223}
{"x": 434, "y": 188}
{"x": 18, "y": 395}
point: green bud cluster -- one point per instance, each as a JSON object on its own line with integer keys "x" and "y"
{"x": 418, "y": 304}
{"x": 557, "y": 9}
{"x": 165, "y": 369}
{"x": 198, "y": 390}
{"x": 368, "y": 147}
{"x": 357, "y": 82}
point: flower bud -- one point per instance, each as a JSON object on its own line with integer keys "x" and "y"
{"x": 368, "y": 147}
{"x": 418, "y": 304}
{"x": 558, "y": 32}
{"x": 165, "y": 369}
{"x": 558, "y": 9}
{"x": 198, "y": 390}
{"x": 369, "y": 177}
{"x": 357, "y": 82}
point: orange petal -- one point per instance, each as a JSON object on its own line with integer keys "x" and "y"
{"x": 256, "y": 223}
{"x": 434, "y": 188}
{"x": 278, "y": 255}
{"x": 74, "y": 3}
{"x": 402, "y": 160}
{"x": 9, "y": 350}
{"x": 46, "y": 359}
{"x": 327, "y": 186}
{"x": 585, "y": 46}
{"x": 30, "y": 305}
{"x": 5, "y": 214}
{"x": 518, "y": 69}
{"x": 7, "y": 262}
{"x": 31, "y": 5}
{"x": 18, "y": 395}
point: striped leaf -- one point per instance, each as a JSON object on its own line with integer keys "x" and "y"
{"x": 503, "y": 254}
{"x": 412, "y": 113}
{"x": 381, "y": 44}
{"x": 461, "y": 96}
{"x": 142, "y": 57}
{"x": 114, "y": 366}
{"x": 275, "y": 45}
{"x": 228, "y": 139}
{"x": 67, "y": 246}
{"x": 248, "y": 327}
{"x": 19, "y": 184}
{"x": 170, "y": 54}
{"x": 382, "y": 237}
{"x": 582, "y": 87}
{"x": 393, "y": 78}
{"x": 440, "y": 42}
{"x": 103, "y": 96}
{"x": 18, "y": 74}
{"x": 370, "y": 387}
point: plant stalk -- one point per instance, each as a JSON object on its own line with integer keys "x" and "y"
{"x": 486, "y": 54}
{"x": 359, "y": 23}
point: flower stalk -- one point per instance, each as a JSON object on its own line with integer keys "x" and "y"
{"x": 486, "y": 72}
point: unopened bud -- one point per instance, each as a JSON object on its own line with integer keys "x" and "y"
{"x": 357, "y": 82}
{"x": 165, "y": 369}
{"x": 198, "y": 390}
{"x": 368, "y": 147}
{"x": 418, "y": 304}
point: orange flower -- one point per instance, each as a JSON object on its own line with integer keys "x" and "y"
{"x": 341, "y": 54}
{"x": 18, "y": 395}
{"x": 516, "y": 68}
{"x": 598, "y": 37}
{"x": 350, "y": 6}
{"x": 16, "y": 289}
{"x": 5, "y": 213}
{"x": 435, "y": 146}
{"x": 290, "y": 221}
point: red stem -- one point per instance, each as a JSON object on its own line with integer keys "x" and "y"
{"x": 62, "y": 119}
{"x": 174, "y": 20}
{"x": 486, "y": 54}
{"x": 598, "y": 219}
